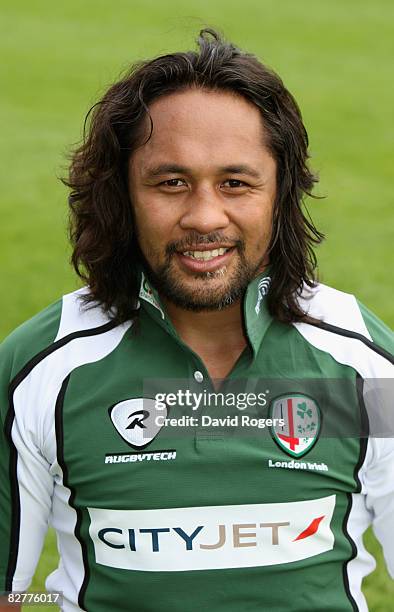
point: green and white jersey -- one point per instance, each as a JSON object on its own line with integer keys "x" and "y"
{"x": 229, "y": 515}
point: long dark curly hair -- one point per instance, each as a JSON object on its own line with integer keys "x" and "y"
{"x": 105, "y": 251}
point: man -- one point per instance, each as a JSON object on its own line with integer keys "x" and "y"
{"x": 187, "y": 226}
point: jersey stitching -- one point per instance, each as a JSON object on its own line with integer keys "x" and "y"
{"x": 352, "y": 555}
{"x": 60, "y": 457}
{"x": 364, "y": 432}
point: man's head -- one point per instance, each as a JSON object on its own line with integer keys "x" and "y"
{"x": 203, "y": 189}
{"x": 189, "y": 152}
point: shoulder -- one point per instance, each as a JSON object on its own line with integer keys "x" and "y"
{"x": 348, "y": 330}
{"x": 380, "y": 333}
{"x": 38, "y": 357}
{"x": 66, "y": 318}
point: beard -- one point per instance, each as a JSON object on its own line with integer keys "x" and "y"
{"x": 213, "y": 290}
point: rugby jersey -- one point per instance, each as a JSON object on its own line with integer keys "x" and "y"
{"x": 252, "y": 495}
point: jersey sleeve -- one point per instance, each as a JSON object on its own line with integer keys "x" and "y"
{"x": 378, "y": 478}
{"x": 26, "y": 484}
{"x": 378, "y": 482}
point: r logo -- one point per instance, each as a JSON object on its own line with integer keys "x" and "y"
{"x": 138, "y": 420}
{"x": 135, "y": 420}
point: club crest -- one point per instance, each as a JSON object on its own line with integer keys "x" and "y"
{"x": 302, "y": 423}
{"x": 135, "y": 420}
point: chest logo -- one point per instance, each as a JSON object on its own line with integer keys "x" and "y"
{"x": 263, "y": 288}
{"x": 302, "y": 423}
{"x": 146, "y": 294}
{"x": 136, "y": 420}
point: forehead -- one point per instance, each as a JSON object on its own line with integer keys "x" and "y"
{"x": 203, "y": 126}
{"x": 196, "y": 108}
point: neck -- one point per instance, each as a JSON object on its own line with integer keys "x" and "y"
{"x": 217, "y": 337}
{"x": 212, "y": 327}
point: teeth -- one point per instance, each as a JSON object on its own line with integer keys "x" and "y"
{"x": 205, "y": 255}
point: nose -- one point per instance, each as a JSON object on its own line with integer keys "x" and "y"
{"x": 205, "y": 212}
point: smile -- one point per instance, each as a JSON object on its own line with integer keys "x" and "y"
{"x": 205, "y": 260}
{"x": 205, "y": 255}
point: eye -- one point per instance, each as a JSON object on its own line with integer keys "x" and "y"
{"x": 234, "y": 183}
{"x": 173, "y": 183}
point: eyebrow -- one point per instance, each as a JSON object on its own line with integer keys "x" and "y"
{"x": 166, "y": 169}
{"x": 162, "y": 169}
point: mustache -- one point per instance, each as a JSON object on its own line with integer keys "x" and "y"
{"x": 194, "y": 239}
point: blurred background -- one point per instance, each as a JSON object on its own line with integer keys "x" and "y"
{"x": 336, "y": 58}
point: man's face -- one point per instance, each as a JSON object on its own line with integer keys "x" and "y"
{"x": 203, "y": 190}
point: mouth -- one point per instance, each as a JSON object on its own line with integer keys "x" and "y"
{"x": 205, "y": 258}
{"x": 206, "y": 254}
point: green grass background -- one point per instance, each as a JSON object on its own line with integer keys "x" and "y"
{"x": 336, "y": 58}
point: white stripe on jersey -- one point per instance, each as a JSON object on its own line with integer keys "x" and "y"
{"x": 334, "y": 307}
{"x": 77, "y": 317}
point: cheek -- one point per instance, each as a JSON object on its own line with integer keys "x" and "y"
{"x": 153, "y": 224}
{"x": 256, "y": 225}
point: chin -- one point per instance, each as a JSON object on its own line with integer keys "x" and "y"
{"x": 202, "y": 291}
{"x": 204, "y": 299}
